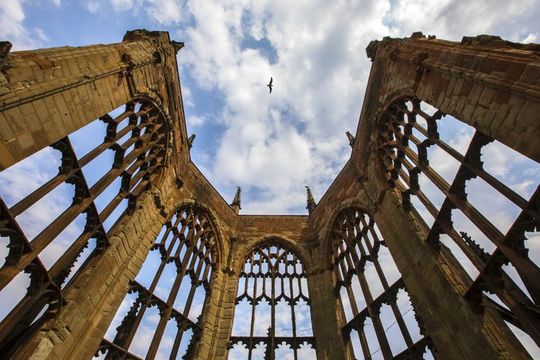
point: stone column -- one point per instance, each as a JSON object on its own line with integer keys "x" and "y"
{"x": 324, "y": 316}
{"x": 219, "y": 317}
{"x": 433, "y": 283}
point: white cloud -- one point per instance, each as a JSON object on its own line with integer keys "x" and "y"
{"x": 122, "y": 5}
{"x": 12, "y": 29}
{"x": 165, "y": 12}
{"x": 57, "y": 3}
{"x": 295, "y": 136}
{"x": 195, "y": 120}
{"x": 531, "y": 38}
{"x": 93, "y": 6}
{"x": 320, "y": 73}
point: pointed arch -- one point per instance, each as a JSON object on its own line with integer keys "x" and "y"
{"x": 273, "y": 279}
{"x": 372, "y": 294}
{"x": 170, "y": 292}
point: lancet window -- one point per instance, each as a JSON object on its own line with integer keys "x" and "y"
{"x": 477, "y": 200}
{"x": 272, "y": 316}
{"x": 160, "y": 315}
{"x": 58, "y": 206}
{"x": 380, "y": 319}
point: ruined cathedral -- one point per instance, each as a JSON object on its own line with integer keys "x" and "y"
{"x": 397, "y": 260}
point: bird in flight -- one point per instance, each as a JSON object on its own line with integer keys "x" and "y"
{"x": 270, "y": 84}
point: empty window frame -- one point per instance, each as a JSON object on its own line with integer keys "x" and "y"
{"x": 272, "y": 315}
{"x": 135, "y": 136}
{"x": 380, "y": 319}
{"x": 159, "y": 317}
{"x": 502, "y": 268}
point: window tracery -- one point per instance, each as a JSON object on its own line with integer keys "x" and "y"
{"x": 272, "y": 315}
{"x": 478, "y": 212}
{"x": 59, "y": 221}
{"x": 163, "y": 307}
{"x": 380, "y": 319}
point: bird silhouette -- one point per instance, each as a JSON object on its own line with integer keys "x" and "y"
{"x": 270, "y": 84}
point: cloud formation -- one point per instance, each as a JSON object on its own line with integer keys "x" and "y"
{"x": 274, "y": 144}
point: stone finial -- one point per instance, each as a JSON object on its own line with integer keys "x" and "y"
{"x": 351, "y": 138}
{"x": 310, "y": 200}
{"x": 236, "y": 201}
{"x": 190, "y": 140}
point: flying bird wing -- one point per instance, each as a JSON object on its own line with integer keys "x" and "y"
{"x": 270, "y": 84}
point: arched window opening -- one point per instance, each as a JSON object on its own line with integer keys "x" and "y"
{"x": 272, "y": 316}
{"x": 159, "y": 317}
{"x": 58, "y": 206}
{"x": 477, "y": 199}
{"x": 380, "y": 320}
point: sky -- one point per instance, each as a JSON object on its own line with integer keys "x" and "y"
{"x": 271, "y": 145}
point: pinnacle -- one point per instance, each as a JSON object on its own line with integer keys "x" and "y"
{"x": 310, "y": 200}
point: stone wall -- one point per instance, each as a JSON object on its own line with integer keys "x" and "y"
{"x": 46, "y": 94}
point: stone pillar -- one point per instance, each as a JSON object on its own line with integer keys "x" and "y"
{"x": 72, "y": 87}
{"x": 324, "y": 316}
{"x": 433, "y": 283}
{"x": 97, "y": 292}
{"x": 219, "y": 317}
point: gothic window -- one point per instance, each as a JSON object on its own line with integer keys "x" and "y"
{"x": 477, "y": 200}
{"x": 58, "y": 207}
{"x": 159, "y": 317}
{"x": 380, "y": 319}
{"x": 272, "y": 316}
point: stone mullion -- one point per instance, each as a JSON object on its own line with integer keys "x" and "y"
{"x": 358, "y": 266}
{"x": 471, "y": 254}
{"x": 207, "y": 268}
{"x": 397, "y": 313}
{"x": 177, "y": 339}
{"x": 129, "y": 325}
{"x": 194, "y": 285}
{"x": 158, "y": 334}
{"x": 352, "y": 298}
{"x": 155, "y": 280}
{"x": 291, "y": 304}
{"x": 60, "y": 271}
{"x": 420, "y": 270}
{"x": 81, "y": 201}
{"x": 272, "y": 334}
{"x": 253, "y": 305}
{"x": 401, "y": 323}
{"x": 478, "y": 171}
{"x": 189, "y": 256}
{"x": 115, "y": 172}
{"x": 373, "y": 313}
{"x": 523, "y": 266}
{"x": 363, "y": 341}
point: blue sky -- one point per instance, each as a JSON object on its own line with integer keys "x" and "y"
{"x": 271, "y": 145}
